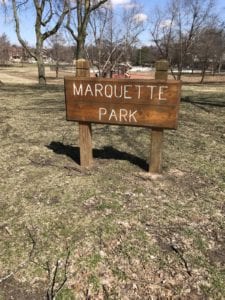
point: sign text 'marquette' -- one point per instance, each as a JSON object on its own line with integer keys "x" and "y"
{"x": 116, "y": 91}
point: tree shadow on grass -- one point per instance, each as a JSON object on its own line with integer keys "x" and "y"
{"x": 204, "y": 101}
{"x": 106, "y": 152}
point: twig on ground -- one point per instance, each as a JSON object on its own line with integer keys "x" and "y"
{"x": 53, "y": 289}
{"x": 178, "y": 252}
{"x": 24, "y": 263}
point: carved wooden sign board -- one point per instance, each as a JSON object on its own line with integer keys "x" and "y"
{"x": 135, "y": 102}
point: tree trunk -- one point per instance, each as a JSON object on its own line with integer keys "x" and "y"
{"x": 57, "y": 69}
{"x": 41, "y": 71}
{"x": 179, "y": 73}
{"x": 39, "y": 55}
{"x": 80, "y": 48}
{"x": 203, "y": 72}
{"x": 220, "y": 66}
{"x": 173, "y": 74}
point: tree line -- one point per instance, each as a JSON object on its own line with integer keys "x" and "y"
{"x": 188, "y": 33}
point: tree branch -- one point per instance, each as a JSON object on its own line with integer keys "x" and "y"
{"x": 49, "y": 15}
{"x": 17, "y": 23}
{"x": 97, "y": 5}
{"x": 58, "y": 23}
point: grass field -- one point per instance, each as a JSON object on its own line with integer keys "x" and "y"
{"x": 112, "y": 232}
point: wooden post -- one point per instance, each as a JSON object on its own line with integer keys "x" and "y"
{"x": 85, "y": 132}
{"x": 155, "y": 163}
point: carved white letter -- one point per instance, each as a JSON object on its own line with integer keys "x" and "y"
{"x": 126, "y": 91}
{"x": 108, "y": 91}
{"x": 123, "y": 114}
{"x": 132, "y": 116}
{"x": 88, "y": 90}
{"x": 151, "y": 90}
{"x": 101, "y": 112}
{"x": 161, "y": 88}
{"x": 98, "y": 89}
{"x": 139, "y": 90}
{"x": 78, "y": 91}
{"x": 113, "y": 115}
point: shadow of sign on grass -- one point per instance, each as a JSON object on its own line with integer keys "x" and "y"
{"x": 106, "y": 152}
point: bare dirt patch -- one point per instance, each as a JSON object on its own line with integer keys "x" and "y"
{"x": 114, "y": 231}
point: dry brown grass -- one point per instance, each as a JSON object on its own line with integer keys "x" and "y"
{"x": 129, "y": 235}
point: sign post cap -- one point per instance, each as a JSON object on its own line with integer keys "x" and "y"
{"x": 162, "y": 65}
{"x": 82, "y": 64}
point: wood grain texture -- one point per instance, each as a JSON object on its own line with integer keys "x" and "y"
{"x": 155, "y": 103}
{"x": 156, "y": 151}
{"x": 157, "y": 135}
{"x": 85, "y": 130}
{"x": 85, "y": 143}
{"x": 82, "y": 68}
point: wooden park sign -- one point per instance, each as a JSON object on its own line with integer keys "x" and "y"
{"x": 147, "y": 103}
{"x": 134, "y": 102}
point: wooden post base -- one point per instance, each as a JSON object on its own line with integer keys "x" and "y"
{"x": 155, "y": 161}
{"x": 155, "y": 165}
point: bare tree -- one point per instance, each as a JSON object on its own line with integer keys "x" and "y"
{"x": 98, "y": 23}
{"x": 56, "y": 43}
{"x": 162, "y": 33}
{"x": 209, "y": 50}
{"x": 113, "y": 42}
{"x": 77, "y": 22}
{"x": 175, "y": 29}
{"x": 49, "y": 17}
{"x": 4, "y": 49}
